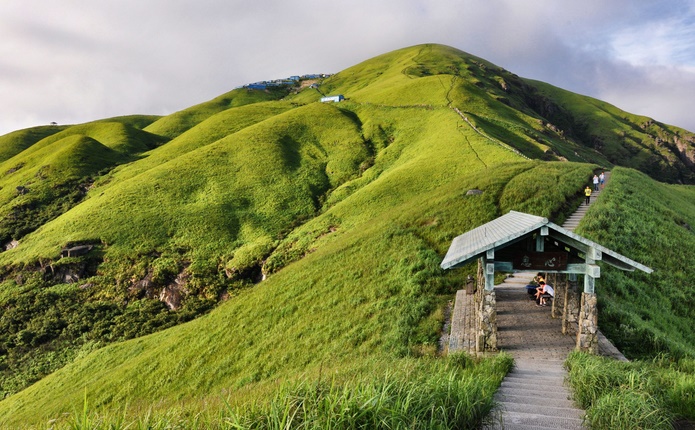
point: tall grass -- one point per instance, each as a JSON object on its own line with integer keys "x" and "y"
{"x": 452, "y": 393}
{"x": 638, "y": 395}
{"x": 646, "y": 316}
{"x": 651, "y": 222}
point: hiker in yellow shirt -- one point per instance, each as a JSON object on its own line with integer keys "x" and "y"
{"x": 587, "y": 193}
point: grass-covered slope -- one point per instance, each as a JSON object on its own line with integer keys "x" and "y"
{"x": 50, "y": 176}
{"x": 243, "y": 189}
{"x": 664, "y": 152}
{"x": 13, "y": 143}
{"x": 649, "y": 317}
{"x": 173, "y": 125}
{"x": 363, "y": 296}
{"x": 215, "y": 127}
{"x": 653, "y": 223}
{"x": 345, "y": 208}
{"x": 536, "y": 118}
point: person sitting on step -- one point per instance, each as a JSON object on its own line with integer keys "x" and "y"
{"x": 533, "y": 286}
{"x": 543, "y": 293}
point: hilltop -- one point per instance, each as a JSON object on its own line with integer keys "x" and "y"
{"x": 263, "y": 236}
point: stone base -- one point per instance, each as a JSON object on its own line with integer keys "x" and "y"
{"x": 487, "y": 317}
{"x": 571, "y": 308}
{"x": 587, "y": 334}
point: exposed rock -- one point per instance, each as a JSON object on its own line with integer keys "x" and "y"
{"x": 11, "y": 245}
{"x": 474, "y": 192}
{"x": 22, "y": 190}
{"x": 172, "y": 295}
{"x": 686, "y": 151}
{"x": 67, "y": 274}
{"x": 143, "y": 288}
{"x": 15, "y": 168}
{"x": 553, "y": 128}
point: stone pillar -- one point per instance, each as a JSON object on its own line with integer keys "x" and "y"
{"x": 487, "y": 317}
{"x": 587, "y": 337}
{"x": 570, "y": 313}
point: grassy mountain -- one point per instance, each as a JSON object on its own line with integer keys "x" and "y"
{"x": 343, "y": 210}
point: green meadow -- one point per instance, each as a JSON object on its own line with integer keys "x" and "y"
{"x": 263, "y": 260}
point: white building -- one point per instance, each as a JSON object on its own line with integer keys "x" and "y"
{"x": 332, "y": 99}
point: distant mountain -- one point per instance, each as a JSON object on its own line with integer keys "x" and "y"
{"x": 320, "y": 225}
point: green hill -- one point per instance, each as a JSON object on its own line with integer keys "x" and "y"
{"x": 305, "y": 236}
{"x": 13, "y": 143}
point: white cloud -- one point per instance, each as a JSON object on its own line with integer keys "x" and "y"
{"x": 669, "y": 42}
{"x": 80, "y": 60}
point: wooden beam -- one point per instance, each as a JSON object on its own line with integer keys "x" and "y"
{"x": 569, "y": 241}
{"x": 572, "y": 269}
{"x": 504, "y": 266}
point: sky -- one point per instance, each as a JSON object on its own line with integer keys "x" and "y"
{"x": 74, "y": 61}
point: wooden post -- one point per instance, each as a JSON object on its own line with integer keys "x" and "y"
{"x": 572, "y": 308}
{"x": 489, "y": 269}
{"x": 559, "y": 279}
{"x": 564, "y": 306}
{"x": 477, "y": 300}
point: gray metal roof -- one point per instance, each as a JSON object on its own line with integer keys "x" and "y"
{"x": 472, "y": 244}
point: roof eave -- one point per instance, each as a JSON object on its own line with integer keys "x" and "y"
{"x": 619, "y": 257}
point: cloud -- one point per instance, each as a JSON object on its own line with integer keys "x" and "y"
{"x": 670, "y": 43}
{"x": 82, "y": 60}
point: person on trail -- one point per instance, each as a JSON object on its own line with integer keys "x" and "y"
{"x": 595, "y": 180}
{"x": 587, "y": 193}
{"x": 545, "y": 292}
{"x": 533, "y": 286}
{"x": 602, "y": 179}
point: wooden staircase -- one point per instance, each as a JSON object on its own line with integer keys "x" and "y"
{"x": 533, "y": 396}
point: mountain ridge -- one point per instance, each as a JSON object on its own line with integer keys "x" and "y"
{"x": 345, "y": 209}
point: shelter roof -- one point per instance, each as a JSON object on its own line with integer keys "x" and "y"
{"x": 513, "y": 226}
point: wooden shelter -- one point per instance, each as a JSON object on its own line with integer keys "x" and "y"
{"x": 519, "y": 242}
